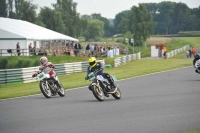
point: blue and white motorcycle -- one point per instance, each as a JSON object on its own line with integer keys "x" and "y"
{"x": 197, "y": 66}
{"x": 101, "y": 87}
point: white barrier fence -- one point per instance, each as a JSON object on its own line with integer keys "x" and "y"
{"x": 176, "y": 51}
{"x": 25, "y": 74}
{"x": 125, "y": 59}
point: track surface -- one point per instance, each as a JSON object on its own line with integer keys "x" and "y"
{"x": 167, "y": 102}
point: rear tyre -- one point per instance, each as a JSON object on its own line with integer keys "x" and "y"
{"x": 45, "y": 90}
{"x": 117, "y": 94}
{"x": 98, "y": 92}
{"x": 62, "y": 91}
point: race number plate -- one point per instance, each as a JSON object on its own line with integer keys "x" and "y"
{"x": 91, "y": 76}
{"x": 41, "y": 76}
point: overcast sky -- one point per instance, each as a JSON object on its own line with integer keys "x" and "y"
{"x": 109, "y": 8}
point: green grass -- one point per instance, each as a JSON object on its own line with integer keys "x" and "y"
{"x": 190, "y": 32}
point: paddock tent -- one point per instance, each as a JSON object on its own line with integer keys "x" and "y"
{"x": 13, "y": 31}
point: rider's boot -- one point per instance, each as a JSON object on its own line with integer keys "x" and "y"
{"x": 105, "y": 94}
{"x": 197, "y": 71}
{"x": 58, "y": 84}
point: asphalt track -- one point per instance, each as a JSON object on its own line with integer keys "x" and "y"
{"x": 167, "y": 102}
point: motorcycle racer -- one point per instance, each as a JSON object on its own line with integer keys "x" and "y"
{"x": 47, "y": 68}
{"x": 196, "y": 57}
{"x": 98, "y": 67}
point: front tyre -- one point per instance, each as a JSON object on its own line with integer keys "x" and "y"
{"x": 62, "y": 91}
{"x": 97, "y": 92}
{"x": 117, "y": 94}
{"x": 45, "y": 89}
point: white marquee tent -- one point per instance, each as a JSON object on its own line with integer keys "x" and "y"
{"x": 13, "y": 31}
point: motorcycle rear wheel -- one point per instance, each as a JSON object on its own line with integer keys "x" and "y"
{"x": 117, "y": 94}
{"x": 62, "y": 91}
{"x": 45, "y": 90}
{"x": 98, "y": 92}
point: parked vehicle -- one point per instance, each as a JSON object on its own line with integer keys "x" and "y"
{"x": 101, "y": 87}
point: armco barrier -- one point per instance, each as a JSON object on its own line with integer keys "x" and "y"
{"x": 14, "y": 76}
{"x": 27, "y": 74}
{"x": 125, "y": 59}
{"x": 176, "y": 51}
{"x": 3, "y": 76}
{"x": 24, "y": 75}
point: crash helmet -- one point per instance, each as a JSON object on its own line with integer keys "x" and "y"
{"x": 43, "y": 60}
{"x": 92, "y": 61}
{"x": 196, "y": 55}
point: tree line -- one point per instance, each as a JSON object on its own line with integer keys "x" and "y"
{"x": 170, "y": 18}
{"x": 138, "y": 22}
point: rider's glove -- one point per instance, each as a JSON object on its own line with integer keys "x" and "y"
{"x": 33, "y": 75}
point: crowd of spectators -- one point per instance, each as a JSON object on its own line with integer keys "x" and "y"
{"x": 76, "y": 49}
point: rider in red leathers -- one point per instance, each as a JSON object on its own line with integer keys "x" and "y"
{"x": 47, "y": 68}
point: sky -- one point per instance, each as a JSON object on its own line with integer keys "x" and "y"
{"x": 109, "y": 8}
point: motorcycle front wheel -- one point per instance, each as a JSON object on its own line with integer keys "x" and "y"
{"x": 45, "y": 89}
{"x": 98, "y": 92}
{"x": 117, "y": 94}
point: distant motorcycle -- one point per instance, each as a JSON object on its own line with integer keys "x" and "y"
{"x": 47, "y": 86}
{"x": 100, "y": 86}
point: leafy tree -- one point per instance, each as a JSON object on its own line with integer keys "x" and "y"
{"x": 3, "y": 8}
{"x": 94, "y": 29}
{"x": 107, "y": 26}
{"x": 143, "y": 24}
{"x": 25, "y": 10}
{"x": 118, "y": 24}
{"x": 52, "y": 19}
{"x": 181, "y": 14}
{"x": 70, "y": 16}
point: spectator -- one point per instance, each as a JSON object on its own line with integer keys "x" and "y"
{"x": 126, "y": 50}
{"x": 193, "y": 51}
{"x": 77, "y": 47}
{"x": 18, "y": 49}
{"x": 190, "y": 53}
{"x": 30, "y": 48}
{"x": 92, "y": 48}
{"x": 87, "y": 47}
{"x": 56, "y": 51}
{"x": 165, "y": 51}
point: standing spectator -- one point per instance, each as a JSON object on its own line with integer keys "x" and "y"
{"x": 87, "y": 49}
{"x": 18, "y": 49}
{"x": 92, "y": 48}
{"x": 190, "y": 53}
{"x": 165, "y": 51}
{"x": 56, "y": 51}
{"x": 30, "y": 49}
{"x": 193, "y": 51}
{"x": 77, "y": 47}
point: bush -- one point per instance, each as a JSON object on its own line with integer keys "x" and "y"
{"x": 19, "y": 64}
{"x": 97, "y": 39}
{"x": 36, "y": 63}
{"x": 26, "y": 63}
{"x": 121, "y": 40}
{"x": 3, "y": 63}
